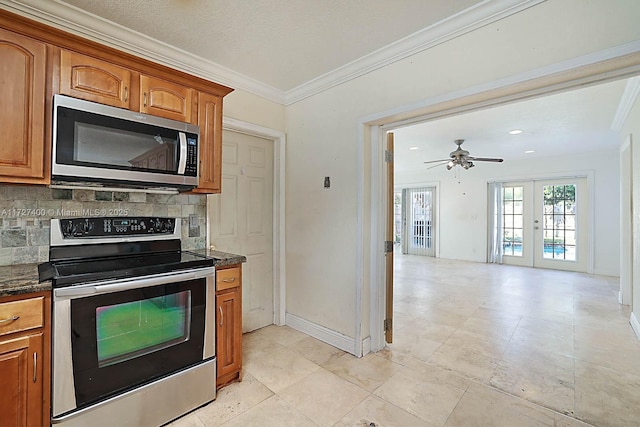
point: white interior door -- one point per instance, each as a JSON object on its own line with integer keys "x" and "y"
{"x": 241, "y": 220}
{"x": 561, "y": 221}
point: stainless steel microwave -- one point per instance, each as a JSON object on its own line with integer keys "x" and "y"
{"x": 95, "y": 143}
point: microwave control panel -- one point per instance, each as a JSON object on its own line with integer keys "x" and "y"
{"x": 191, "y": 168}
{"x": 116, "y": 226}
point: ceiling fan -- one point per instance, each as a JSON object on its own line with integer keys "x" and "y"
{"x": 460, "y": 157}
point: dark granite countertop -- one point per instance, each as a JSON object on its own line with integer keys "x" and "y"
{"x": 21, "y": 279}
{"x": 220, "y": 258}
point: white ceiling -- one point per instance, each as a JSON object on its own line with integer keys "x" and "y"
{"x": 283, "y": 43}
{"x": 555, "y": 125}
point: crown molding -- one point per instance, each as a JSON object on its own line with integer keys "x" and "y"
{"x": 482, "y": 14}
{"x": 79, "y": 22}
{"x": 76, "y": 21}
{"x": 629, "y": 96}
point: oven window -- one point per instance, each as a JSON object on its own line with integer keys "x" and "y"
{"x": 133, "y": 329}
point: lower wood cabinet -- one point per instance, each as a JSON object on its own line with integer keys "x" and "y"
{"x": 228, "y": 324}
{"x": 24, "y": 360}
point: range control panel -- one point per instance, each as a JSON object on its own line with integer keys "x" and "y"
{"x": 116, "y": 226}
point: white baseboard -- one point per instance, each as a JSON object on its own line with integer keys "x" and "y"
{"x": 366, "y": 346}
{"x": 635, "y": 324}
{"x": 321, "y": 333}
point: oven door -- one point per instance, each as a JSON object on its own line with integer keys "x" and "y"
{"x": 114, "y": 336}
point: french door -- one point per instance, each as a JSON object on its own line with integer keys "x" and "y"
{"x": 544, "y": 224}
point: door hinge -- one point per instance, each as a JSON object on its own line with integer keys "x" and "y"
{"x": 388, "y": 323}
{"x": 388, "y": 246}
{"x": 388, "y": 156}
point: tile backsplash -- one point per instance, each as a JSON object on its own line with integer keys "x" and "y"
{"x": 26, "y": 213}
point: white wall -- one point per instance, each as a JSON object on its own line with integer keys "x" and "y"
{"x": 463, "y": 205}
{"x": 632, "y": 127}
{"x": 323, "y": 135}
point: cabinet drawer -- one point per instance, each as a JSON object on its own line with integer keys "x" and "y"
{"x": 227, "y": 278}
{"x": 16, "y": 316}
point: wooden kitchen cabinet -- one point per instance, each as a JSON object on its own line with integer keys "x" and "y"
{"x": 165, "y": 99}
{"x": 88, "y": 78}
{"x": 24, "y": 360}
{"x": 24, "y": 152}
{"x": 210, "y": 122}
{"x": 228, "y": 324}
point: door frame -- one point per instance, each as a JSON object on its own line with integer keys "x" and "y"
{"x": 599, "y": 67}
{"x": 279, "y": 140}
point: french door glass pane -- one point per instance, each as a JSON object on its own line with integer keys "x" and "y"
{"x": 559, "y": 222}
{"x": 512, "y": 220}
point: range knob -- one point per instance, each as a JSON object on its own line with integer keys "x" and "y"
{"x": 70, "y": 228}
{"x": 86, "y": 227}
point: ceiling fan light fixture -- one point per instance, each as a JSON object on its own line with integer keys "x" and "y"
{"x": 450, "y": 165}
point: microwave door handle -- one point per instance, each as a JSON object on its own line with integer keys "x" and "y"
{"x": 182, "y": 163}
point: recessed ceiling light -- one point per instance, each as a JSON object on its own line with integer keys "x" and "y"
{"x": 529, "y": 152}
{"x": 515, "y": 132}
{"x": 413, "y": 148}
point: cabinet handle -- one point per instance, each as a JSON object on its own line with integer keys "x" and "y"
{"x": 35, "y": 367}
{"x": 126, "y": 94}
{"x": 221, "y": 316}
{"x": 10, "y": 319}
{"x": 231, "y": 280}
{"x": 144, "y": 96}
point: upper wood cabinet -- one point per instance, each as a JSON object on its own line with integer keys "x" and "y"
{"x": 165, "y": 99}
{"x": 23, "y": 149}
{"x": 85, "y": 77}
{"x": 88, "y": 78}
{"x": 210, "y": 122}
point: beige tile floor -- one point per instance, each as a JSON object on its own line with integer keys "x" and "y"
{"x": 475, "y": 345}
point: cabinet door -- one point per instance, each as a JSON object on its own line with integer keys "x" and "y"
{"x": 229, "y": 332}
{"x": 210, "y": 122}
{"x": 165, "y": 99}
{"x": 22, "y": 109}
{"x": 21, "y": 380}
{"x": 94, "y": 80}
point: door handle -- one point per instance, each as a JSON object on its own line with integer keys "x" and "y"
{"x": 144, "y": 96}
{"x": 35, "y": 367}
{"x": 126, "y": 94}
{"x": 221, "y": 316}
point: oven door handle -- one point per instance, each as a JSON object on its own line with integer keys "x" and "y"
{"x": 124, "y": 285}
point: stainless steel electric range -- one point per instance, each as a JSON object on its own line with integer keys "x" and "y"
{"x": 133, "y": 322}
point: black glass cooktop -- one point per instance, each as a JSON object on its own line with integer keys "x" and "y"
{"x": 80, "y": 271}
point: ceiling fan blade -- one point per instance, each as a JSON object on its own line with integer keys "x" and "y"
{"x": 485, "y": 159}
{"x": 435, "y": 161}
{"x": 442, "y": 162}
